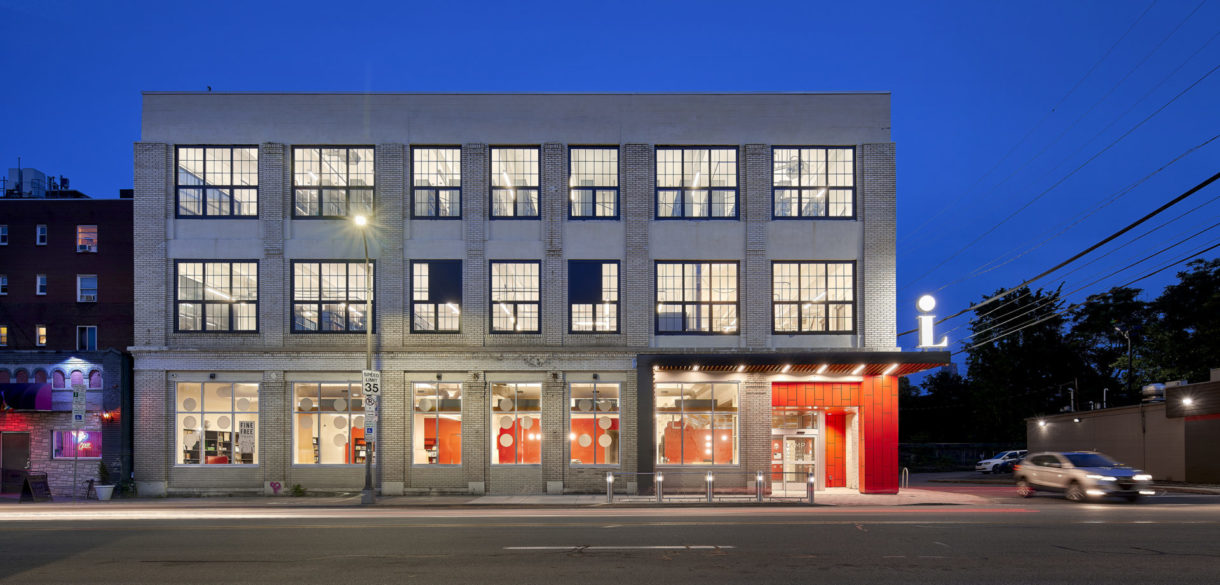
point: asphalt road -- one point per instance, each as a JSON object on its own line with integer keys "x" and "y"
{"x": 1169, "y": 539}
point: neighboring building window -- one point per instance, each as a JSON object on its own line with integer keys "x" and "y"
{"x": 3, "y": 284}
{"x": 332, "y": 182}
{"x": 217, "y": 423}
{"x": 436, "y": 182}
{"x": 3, "y": 235}
{"x": 80, "y": 444}
{"x": 697, "y": 182}
{"x": 813, "y": 182}
{"x": 593, "y": 183}
{"x": 594, "y": 424}
{"x": 329, "y": 297}
{"x": 40, "y": 284}
{"x": 593, "y": 296}
{"x": 3, "y": 335}
{"x": 86, "y": 288}
{"x": 514, "y": 297}
{"x": 516, "y": 420}
{"x": 812, "y": 297}
{"x": 697, "y": 297}
{"x": 436, "y": 295}
{"x": 86, "y": 238}
{"x": 217, "y": 181}
{"x": 328, "y": 423}
{"x": 86, "y": 337}
{"x": 437, "y": 430}
{"x": 40, "y": 335}
{"x": 697, "y": 424}
{"x": 514, "y": 182}
{"x": 40, "y": 235}
{"x": 217, "y": 296}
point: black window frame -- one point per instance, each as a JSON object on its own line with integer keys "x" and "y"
{"x": 347, "y": 189}
{"x": 491, "y": 187}
{"x": 492, "y": 303}
{"x": 293, "y": 302}
{"x": 595, "y": 188}
{"x": 685, "y": 330}
{"x": 618, "y": 293}
{"x": 415, "y": 188}
{"x": 203, "y": 186}
{"x": 682, "y": 190}
{"x": 205, "y": 303}
{"x": 801, "y": 189}
{"x": 436, "y": 303}
{"x": 826, "y": 302}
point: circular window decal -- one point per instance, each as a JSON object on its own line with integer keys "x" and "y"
{"x": 605, "y": 423}
{"x": 506, "y": 440}
{"x": 189, "y": 404}
{"x": 243, "y": 404}
{"x": 190, "y": 422}
{"x": 223, "y": 422}
{"x": 585, "y": 440}
{"x": 604, "y": 440}
{"x": 306, "y": 404}
{"x": 527, "y": 423}
{"x": 506, "y": 422}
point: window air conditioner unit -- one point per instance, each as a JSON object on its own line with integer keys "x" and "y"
{"x": 88, "y": 298}
{"x": 85, "y": 248}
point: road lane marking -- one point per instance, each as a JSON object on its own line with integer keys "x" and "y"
{"x": 655, "y": 547}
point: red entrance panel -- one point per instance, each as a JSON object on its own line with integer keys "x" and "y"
{"x": 836, "y": 451}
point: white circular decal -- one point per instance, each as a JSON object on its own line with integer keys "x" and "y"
{"x": 306, "y": 404}
{"x": 425, "y": 404}
{"x": 339, "y": 439}
{"x": 189, "y": 422}
{"x": 224, "y": 392}
{"x": 506, "y": 440}
{"x": 605, "y": 423}
{"x": 584, "y": 404}
{"x": 527, "y": 423}
{"x": 506, "y": 422}
{"x": 340, "y": 422}
{"x": 243, "y": 404}
{"x": 358, "y": 421}
{"x": 223, "y": 422}
{"x": 340, "y": 404}
{"x": 506, "y": 404}
{"x": 605, "y": 405}
{"x": 604, "y": 440}
{"x": 189, "y": 404}
{"x": 585, "y": 440}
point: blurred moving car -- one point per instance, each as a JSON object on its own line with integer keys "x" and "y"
{"x": 1003, "y": 457}
{"x": 1008, "y": 465}
{"x": 1080, "y": 475}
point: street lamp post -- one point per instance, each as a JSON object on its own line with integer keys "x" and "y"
{"x": 366, "y": 495}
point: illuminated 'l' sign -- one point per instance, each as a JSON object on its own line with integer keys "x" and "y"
{"x": 926, "y": 337}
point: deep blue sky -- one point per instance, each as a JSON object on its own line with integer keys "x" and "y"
{"x": 971, "y": 82}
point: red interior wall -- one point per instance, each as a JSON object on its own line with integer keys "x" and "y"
{"x": 530, "y": 451}
{"x": 835, "y": 466}
{"x": 588, "y": 426}
{"x": 449, "y": 449}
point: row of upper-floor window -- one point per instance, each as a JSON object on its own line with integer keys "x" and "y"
{"x": 86, "y": 286}
{"x": 86, "y": 236}
{"x": 86, "y": 336}
{"x": 692, "y": 182}
{"x": 692, "y": 297}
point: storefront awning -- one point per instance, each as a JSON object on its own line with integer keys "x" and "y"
{"x": 25, "y": 397}
{"x": 837, "y": 363}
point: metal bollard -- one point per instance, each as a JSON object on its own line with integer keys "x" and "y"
{"x": 609, "y": 488}
{"x": 660, "y": 486}
{"x": 812, "y": 483}
{"x": 758, "y": 487}
{"x": 710, "y": 480}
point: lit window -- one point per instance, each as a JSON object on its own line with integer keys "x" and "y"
{"x": 332, "y": 182}
{"x": 217, "y": 423}
{"x": 86, "y": 288}
{"x": 697, "y": 297}
{"x": 697, "y": 183}
{"x": 40, "y": 335}
{"x": 3, "y": 335}
{"x": 217, "y": 181}
{"x": 40, "y": 284}
{"x": 696, "y": 424}
{"x": 3, "y": 235}
{"x": 813, "y": 182}
{"x": 594, "y": 433}
{"x": 3, "y": 284}
{"x": 812, "y": 297}
{"x": 436, "y": 182}
{"x": 436, "y": 295}
{"x": 437, "y": 431}
{"x": 80, "y": 444}
{"x": 217, "y": 296}
{"x": 86, "y": 238}
{"x": 516, "y": 422}
{"x": 329, "y": 297}
{"x": 514, "y": 182}
{"x": 40, "y": 235}
{"x": 86, "y": 337}
{"x": 593, "y": 296}
{"x": 328, "y": 421}
{"x": 593, "y": 184}
{"x": 514, "y": 297}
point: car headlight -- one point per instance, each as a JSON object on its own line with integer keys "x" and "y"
{"x": 1142, "y": 477}
{"x": 1100, "y": 477}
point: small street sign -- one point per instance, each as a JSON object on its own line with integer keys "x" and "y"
{"x": 78, "y": 405}
{"x": 372, "y": 382}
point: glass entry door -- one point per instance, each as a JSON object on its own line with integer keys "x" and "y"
{"x": 799, "y": 461}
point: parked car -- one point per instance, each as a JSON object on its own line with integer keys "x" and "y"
{"x": 1008, "y": 465}
{"x": 1003, "y": 457}
{"x": 1080, "y": 475}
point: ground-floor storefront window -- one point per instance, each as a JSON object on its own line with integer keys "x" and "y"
{"x": 217, "y": 423}
{"x": 697, "y": 423}
{"x": 437, "y": 428}
{"x": 328, "y": 423}
{"x": 516, "y": 423}
{"x": 594, "y": 421}
{"x": 80, "y": 444}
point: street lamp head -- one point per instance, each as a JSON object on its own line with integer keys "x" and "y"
{"x": 361, "y": 220}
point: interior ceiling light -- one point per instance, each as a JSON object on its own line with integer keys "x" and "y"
{"x": 859, "y": 370}
{"x": 694, "y": 368}
{"x": 823, "y": 368}
{"x": 786, "y": 368}
{"x": 889, "y": 369}
{"x": 741, "y": 368}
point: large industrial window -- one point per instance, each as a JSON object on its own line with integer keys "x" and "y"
{"x": 594, "y": 424}
{"x": 593, "y": 296}
{"x": 217, "y": 423}
{"x": 514, "y": 183}
{"x": 436, "y": 436}
{"x": 697, "y": 183}
{"x": 812, "y": 297}
{"x": 436, "y": 183}
{"x": 813, "y": 182}
{"x": 328, "y": 423}
{"x": 329, "y": 297}
{"x": 514, "y": 297}
{"x": 516, "y": 423}
{"x": 436, "y": 296}
{"x": 697, "y": 297}
{"x": 593, "y": 183}
{"x": 332, "y": 182}
{"x": 217, "y": 296}
{"x": 697, "y": 424}
{"x": 217, "y": 181}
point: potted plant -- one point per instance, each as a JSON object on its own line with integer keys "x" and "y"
{"x": 105, "y": 483}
